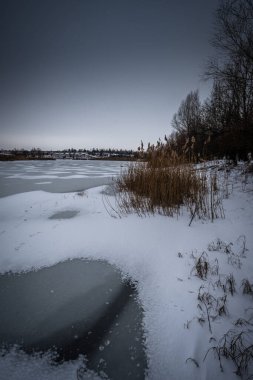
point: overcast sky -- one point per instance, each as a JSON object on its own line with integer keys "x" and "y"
{"x": 98, "y": 73}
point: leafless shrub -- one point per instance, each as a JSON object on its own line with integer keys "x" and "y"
{"x": 235, "y": 261}
{"x": 220, "y": 284}
{"x": 230, "y": 284}
{"x": 247, "y": 287}
{"x": 234, "y": 258}
{"x": 211, "y": 307}
{"x": 201, "y": 266}
{"x": 220, "y": 246}
{"x": 227, "y": 286}
{"x": 221, "y": 306}
{"x": 236, "y": 346}
{"x": 208, "y": 301}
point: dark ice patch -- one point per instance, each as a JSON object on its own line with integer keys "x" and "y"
{"x": 76, "y": 307}
{"x": 67, "y": 214}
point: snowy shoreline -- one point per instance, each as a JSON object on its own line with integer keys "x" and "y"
{"x": 157, "y": 252}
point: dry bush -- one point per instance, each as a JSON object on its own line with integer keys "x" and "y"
{"x": 206, "y": 305}
{"x": 164, "y": 183}
{"x": 247, "y": 287}
{"x": 228, "y": 286}
{"x": 201, "y": 266}
{"x": 220, "y": 246}
{"x": 237, "y": 346}
{"x": 211, "y": 307}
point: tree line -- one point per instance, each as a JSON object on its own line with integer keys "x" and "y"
{"x": 222, "y": 125}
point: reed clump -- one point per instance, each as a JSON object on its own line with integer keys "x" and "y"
{"x": 162, "y": 181}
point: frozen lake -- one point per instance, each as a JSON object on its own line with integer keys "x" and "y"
{"x": 59, "y": 176}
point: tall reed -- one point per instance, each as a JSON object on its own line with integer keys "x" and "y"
{"x": 165, "y": 182}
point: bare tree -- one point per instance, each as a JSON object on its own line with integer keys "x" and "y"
{"x": 232, "y": 71}
{"x": 188, "y": 124}
{"x": 233, "y": 40}
{"x": 223, "y": 125}
{"x": 234, "y": 29}
{"x": 188, "y": 117}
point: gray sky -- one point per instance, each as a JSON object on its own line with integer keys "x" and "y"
{"x": 98, "y": 73}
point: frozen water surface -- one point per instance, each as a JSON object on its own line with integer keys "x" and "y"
{"x": 76, "y": 307}
{"x": 58, "y": 176}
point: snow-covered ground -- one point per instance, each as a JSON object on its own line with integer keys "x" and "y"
{"x": 157, "y": 252}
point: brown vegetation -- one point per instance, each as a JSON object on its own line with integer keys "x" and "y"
{"x": 166, "y": 181}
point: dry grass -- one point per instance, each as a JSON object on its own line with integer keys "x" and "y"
{"x": 202, "y": 266}
{"x": 228, "y": 286}
{"x": 237, "y": 346}
{"x": 164, "y": 183}
{"x": 247, "y": 287}
{"x": 210, "y": 307}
